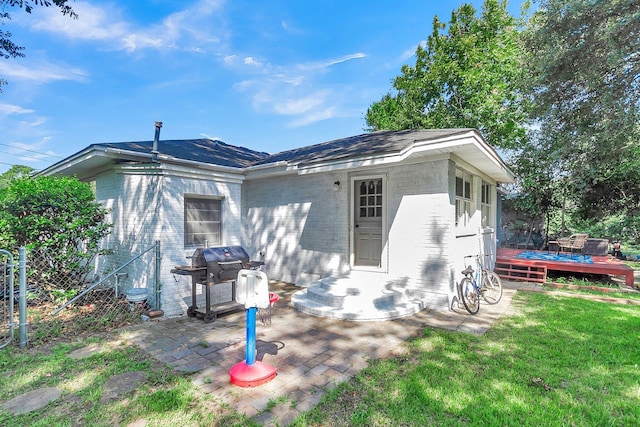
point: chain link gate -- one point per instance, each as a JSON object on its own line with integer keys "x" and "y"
{"x": 9, "y": 296}
{"x": 87, "y": 307}
{"x": 68, "y": 306}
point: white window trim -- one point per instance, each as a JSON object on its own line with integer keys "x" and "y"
{"x": 189, "y": 196}
{"x": 490, "y": 220}
{"x": 467, "y": 203}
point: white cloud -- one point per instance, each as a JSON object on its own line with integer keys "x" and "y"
{"x": 291, "y": 29}
{"x": 410, "y": 53}
{"x": 196, "y": 50}
{"x": 41, "y": 72}
{"x": 315, "y": 116}
{"x": 136, "y": 41}
{"x": 187, "y": 29}
{"x": 295, "y": 91}
{"x": 29, "y": 153}
{"x": 33, "y": 152}
{"x": 93, "y": 23}
{"x": 249, "y": 60}
{"x": 304, "y": 105}
{"x": 321, "y": 65}
{"x": 297, "y": 106}
{"x": 37, "y": 122}
{"x": 6, "y": 109}
{"x": 212, "y": 138}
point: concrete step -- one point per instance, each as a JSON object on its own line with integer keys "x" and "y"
{"x": 363, "y": 313}
{"x": 357, "y": 298}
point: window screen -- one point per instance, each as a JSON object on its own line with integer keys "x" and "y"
{"x": 202, "y": 222}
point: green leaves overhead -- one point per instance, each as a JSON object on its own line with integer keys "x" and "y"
{"x": 466, "y": 75}
{"x": 558, "y": 91}
{"x": 584, "y": 81}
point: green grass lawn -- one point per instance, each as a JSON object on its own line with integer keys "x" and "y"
{"x": 167, "y": 398}
{"x": 557, "y": 361}
{"x": 560, "y": 361}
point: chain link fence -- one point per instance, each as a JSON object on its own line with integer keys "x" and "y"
{"x": 9, "y": 298}
{"x": 63, "y": 304}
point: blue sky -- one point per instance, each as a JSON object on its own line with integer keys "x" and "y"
{"x": 267, "y": 75}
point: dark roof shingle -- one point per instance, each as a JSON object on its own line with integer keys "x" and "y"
{"x": 222, "y": 154}
{"x": 368, "y": 144}
{"x": 199, "y": 150}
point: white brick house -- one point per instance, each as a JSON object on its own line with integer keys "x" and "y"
{"x": 378, "y": 222}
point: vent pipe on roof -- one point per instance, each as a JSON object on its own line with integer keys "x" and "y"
{"x": 154, "y": 150}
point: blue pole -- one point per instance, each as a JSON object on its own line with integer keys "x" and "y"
{"x": 251, "y": 335}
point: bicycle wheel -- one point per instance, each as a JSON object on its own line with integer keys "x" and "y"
{"x": 491, "y": 287}
{"x": 469, "y": 296}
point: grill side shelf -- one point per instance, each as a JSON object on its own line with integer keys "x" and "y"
{"x": 187, "y": 270}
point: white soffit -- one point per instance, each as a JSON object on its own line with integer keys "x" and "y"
{"x": 468, "y": 147}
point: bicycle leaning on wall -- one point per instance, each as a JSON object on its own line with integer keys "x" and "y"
{"x": 479, "y": 282}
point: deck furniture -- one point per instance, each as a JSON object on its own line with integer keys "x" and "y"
{"x": 595, "y": 246}
{"x": 575, "y": 242}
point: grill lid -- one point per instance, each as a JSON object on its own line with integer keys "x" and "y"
{"x": 203, "y": 256}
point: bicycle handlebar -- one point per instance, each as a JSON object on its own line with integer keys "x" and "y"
{"x": 477, "y": 256}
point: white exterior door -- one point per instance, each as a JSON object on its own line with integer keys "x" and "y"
{"x": 368, "y": 217}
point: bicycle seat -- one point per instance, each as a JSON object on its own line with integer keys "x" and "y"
{"x": 467, "y": 271}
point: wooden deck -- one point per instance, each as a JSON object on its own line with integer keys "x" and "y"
{"x": 509, "y": 267}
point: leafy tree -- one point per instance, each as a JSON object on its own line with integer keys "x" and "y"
{"x": 537, "y": 191}
{"x": 584, "y": 81}
{"x": 58, "y": 219}
{"x": 8, "y": 49}
{"x": 467, "y": 75}
{"x": 16, "y": 171}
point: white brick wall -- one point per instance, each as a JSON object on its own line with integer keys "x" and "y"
{"x": 299, "y": 223}
{"x": 421, "y": 217}
{"x": 148, "y": 205}
{"x": 302, "y": 226}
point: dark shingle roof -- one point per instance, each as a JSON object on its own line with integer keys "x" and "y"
{"x": 368, "y": 144}
{"x": 199, "y": 150}
{"x": 222, "y": 154}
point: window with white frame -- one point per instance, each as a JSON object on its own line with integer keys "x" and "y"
{"x": 485, "y": 203}
{"x": 202, "y": 221}
{"x": 463, "y": 197}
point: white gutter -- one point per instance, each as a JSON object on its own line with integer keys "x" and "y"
{"x": 108, "y": 152}
{"x": 448, "y": 144}
{"x": 281, "y": 163}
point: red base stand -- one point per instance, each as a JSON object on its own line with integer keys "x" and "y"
{"x": 244, "y": 375}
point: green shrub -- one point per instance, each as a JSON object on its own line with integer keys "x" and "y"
{"x": 58, "y": 220}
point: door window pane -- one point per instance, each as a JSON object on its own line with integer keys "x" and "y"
{"x": 370, "y": 199}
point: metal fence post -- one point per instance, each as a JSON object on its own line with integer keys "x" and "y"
{"x": 157, "y": 276}
{"x": 22, "y": 263}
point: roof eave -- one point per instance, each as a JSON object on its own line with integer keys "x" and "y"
{"x": 474, "y": 151}
{"x": 96, "y": 158}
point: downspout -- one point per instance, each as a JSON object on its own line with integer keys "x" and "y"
{"x": 154, "y": 159}
{"x": 154, "y": 150}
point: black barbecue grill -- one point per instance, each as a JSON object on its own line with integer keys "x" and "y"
{"x": 213, "y": 266}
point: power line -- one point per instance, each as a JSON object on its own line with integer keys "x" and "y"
{"x": 30, "y": 151}
{"x": 26, "y": 157}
